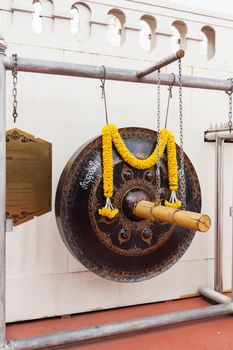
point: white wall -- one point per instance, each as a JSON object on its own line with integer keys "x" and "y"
{"x": 224, "y": 6}
{"x": 42, "y": 277}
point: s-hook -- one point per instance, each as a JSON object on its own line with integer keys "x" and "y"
{"x": 169, "y": 97}
{"x": 103, "y": 96}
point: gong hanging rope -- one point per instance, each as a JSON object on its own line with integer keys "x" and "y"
{"x": 110, "y": 136}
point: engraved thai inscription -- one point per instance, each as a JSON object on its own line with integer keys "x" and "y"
{"x": 28, "y": 176}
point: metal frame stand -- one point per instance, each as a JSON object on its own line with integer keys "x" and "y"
{"x": 219, "y": 136}
{"x": 99, "y": 331}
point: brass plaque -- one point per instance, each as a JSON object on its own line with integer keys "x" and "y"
{"x": 28, "y": 176}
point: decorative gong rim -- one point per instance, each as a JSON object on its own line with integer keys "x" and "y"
{"x": 123, "y": 249}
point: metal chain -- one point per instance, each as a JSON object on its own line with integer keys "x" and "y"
{"x": 230, "y": 124}
{"x": 158, "y": 181}
{"x": 15, "y": 81}
{"x": 181, "y": 172}
{"x": 230, "y": 112}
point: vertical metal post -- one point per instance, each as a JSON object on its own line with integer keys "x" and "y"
{"x": 232, "y": 257}
{"x": 218, "y": 275}
{"x": 231, "y": 214}
{"x": 2, "y": 191}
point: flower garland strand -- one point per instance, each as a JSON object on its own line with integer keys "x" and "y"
{"x": 111, "y": 135}
{"x": 172, "y": 172}
{"x": 108, "y": 210}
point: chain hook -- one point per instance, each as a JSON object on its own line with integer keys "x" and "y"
{"x": 229, "y": 93}
{"x": 169, "y": 97}
{"x": 15, "y": 81}
{"x": 172, "y": 84}
{"x": 103, "y": 94}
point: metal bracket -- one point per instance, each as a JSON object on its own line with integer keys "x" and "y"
{"x": 222, "y": 132}
{"x": 231, "y": 211}
{"x": 8, "y": 226}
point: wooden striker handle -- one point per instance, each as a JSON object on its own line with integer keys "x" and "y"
{"x": 183, "y": 218}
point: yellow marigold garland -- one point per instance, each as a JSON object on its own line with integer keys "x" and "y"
{"x": 110, "y": 134}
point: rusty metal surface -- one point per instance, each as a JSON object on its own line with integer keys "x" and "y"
{"x": 28, "y": 176}
{"x": 121, "y": 249}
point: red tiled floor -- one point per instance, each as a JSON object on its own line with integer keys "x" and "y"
{"x": 214, "y": 334}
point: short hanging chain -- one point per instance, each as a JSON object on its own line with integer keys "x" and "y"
{"x": 182, "y": 172}
{"x": 103, "y": 96}
{"x": 230, "y": 112}
{"x": 158, "y": 181}
{"x": 230, "y": 106}
{"x": 14, "y": 90}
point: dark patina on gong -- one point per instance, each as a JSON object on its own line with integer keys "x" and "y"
{"x": 123, "y": 249}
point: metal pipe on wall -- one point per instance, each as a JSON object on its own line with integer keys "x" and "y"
{"x": 119, "y": 74}
{"x": 210, "y": 135}
{"x": 218, "y": 275}
{"x": 214, "y": 295}
{"x": 158, "y": 65}
{"x": 106, "y": 330}
{"x": 2, "y": 191}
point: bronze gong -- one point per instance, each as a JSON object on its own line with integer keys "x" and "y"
{"x": 127, "y": 248}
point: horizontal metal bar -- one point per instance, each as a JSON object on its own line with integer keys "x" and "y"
{"x": 224, "y": 134}
{"x": 96, "y": 72}
{"x": 160, "y": 64}
{"x": 105, "y": 330}
{"x": 214, "y": 295}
